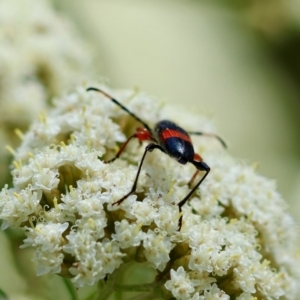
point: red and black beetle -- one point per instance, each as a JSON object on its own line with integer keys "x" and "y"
{"x": 169, "y": 138}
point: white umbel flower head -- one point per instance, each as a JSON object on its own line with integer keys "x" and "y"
{"x": 41, "y": 54}
{"x": 237, "y": 239}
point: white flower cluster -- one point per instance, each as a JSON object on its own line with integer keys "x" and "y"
{"x": 237, "y": 240}
{"x": 41, "y": 54}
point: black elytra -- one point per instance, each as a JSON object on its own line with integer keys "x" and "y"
{"x": 175, "y": 141}
{"x": 169, "y": 138}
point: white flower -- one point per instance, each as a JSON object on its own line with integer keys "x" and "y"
{"x": 203, "y": 279}
{"x": 246, "y": 296}
{"x": 128, "y": 234}
{"x": 180, "y": 284}
{"x": 16, "y": 208}
{"x": 167, "y": 218}
{"x": 214, "y": 293}
{"x": 144, "y": 212}
{"x": 201, "y": 258}
{"x": 46, "y": 179}
{"x": 157, "y": 249}
{"x": 236, "y": 240}
{"x": 41, "y": 55}
{"x": 80, "y": 243}
{"x": 95, "y": 261}
{"x": 48, "y": 241}
{"x": 46, "y": 236}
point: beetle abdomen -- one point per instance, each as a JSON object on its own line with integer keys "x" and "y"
{"x": 175, "y": 141}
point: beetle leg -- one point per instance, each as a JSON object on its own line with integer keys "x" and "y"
{"x": 149, "y": 148}
{"x": 201, "y": 166}
{"x": 120, "y": 150}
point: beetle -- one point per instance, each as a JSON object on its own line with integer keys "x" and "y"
{"x": 170, "y": 139}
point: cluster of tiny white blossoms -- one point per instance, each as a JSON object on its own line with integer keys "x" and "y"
{"x": 237, "y": 240}
{"x": 41, "y": 54}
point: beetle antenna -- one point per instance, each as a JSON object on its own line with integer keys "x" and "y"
{"x": 211, "y": 135}
{"x": 120, "y": 105}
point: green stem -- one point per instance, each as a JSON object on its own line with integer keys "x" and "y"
{"x": 105, "y": 289}
{"x": 146, "y": 287}
{"x": 70, "y": 288}
{"x": 143, "y": 296}
{"x": 114, "y": 285}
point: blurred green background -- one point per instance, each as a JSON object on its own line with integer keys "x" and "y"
{"x": 236, "y": 61}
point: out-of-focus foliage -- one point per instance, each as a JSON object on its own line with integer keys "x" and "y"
{"x": 278, "y": 24}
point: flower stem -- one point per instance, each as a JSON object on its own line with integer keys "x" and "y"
{"x": 105, "y": 289}
{"x": 145, "y": 287}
